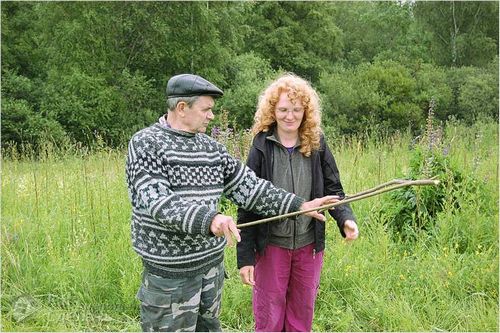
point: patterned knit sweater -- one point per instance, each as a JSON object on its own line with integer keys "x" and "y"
{"x": 175, "y": 181}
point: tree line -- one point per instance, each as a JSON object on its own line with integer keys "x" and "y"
{"x": 89, "y": 71}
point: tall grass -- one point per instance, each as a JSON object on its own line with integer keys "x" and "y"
{"x": 67, "y": 262}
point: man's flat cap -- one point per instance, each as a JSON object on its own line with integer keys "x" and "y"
{"x": 186, "y": 85}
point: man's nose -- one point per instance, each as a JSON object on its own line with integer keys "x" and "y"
{"x": 210, "y": 115}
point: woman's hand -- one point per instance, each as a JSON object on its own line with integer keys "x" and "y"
{"x": 351, "y": 230}
{"x": 246, "y": 275}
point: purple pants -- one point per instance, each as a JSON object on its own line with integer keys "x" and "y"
{"x": 286, "y": 285}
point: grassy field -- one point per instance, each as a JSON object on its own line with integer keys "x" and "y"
{"x": 67, "y": 262}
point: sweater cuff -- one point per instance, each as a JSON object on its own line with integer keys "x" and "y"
{"x": 296, "y": 203}
{"x": 207, "y": 219}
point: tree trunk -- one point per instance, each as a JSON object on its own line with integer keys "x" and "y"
{"x": 454, "y": 34}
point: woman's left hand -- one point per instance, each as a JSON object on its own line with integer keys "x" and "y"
{"x": 351, "y": 230}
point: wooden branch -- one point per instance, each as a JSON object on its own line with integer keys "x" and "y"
{"x": 386, "y": 187}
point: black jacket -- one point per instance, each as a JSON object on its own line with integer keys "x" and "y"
{"x": 325, "y": 181}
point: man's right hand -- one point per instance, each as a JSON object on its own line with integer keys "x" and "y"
{"x": 224, "y": 226}
{"x": 246, "y": 275}
{"x": 318, "y": 202}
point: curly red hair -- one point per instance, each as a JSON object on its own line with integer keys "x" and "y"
{"x": 296, "y": 88}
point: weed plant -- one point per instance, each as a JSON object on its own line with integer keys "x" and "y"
{"x": 412, "y": 210}
{"x": 67, "y": 262}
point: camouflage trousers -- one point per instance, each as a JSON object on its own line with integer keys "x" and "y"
{"x": 185, "y": 304}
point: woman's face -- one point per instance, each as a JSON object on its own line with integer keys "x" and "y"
{"x": 288, "y": 114}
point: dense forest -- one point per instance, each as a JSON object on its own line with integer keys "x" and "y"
{"x": 82, "y": 72}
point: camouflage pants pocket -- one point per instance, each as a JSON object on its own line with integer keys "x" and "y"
{"x": 211, "y": 297}
{"x": 184, "y": 304}
{"x": 156, "y": 308}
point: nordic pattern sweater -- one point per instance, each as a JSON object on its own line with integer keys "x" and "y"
{"x": 175, "y": 181}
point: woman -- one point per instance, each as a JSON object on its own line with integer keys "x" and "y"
{"x": 283, "y": 260}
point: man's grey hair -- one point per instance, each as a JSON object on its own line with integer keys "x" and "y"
{"x": 173, "y": 101}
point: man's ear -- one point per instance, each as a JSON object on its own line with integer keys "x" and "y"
{"x": 181, "y": 108}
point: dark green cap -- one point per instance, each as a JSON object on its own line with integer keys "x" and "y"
{"x": 187, "y": 85}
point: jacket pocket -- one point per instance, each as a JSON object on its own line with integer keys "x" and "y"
{"x": 283, "y": 228}
{"x": 304, "y": 224}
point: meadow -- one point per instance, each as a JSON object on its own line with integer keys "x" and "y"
{"x": 67, "y": 262}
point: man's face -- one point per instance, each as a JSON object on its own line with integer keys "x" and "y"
{"x": 198, "y": 116}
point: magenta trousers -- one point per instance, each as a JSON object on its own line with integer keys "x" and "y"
{"x": 286, "y": 285}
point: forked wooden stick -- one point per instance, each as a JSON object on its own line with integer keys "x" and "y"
{"x": 386, "y": 187}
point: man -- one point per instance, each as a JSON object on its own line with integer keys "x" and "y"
{"x": 176, "y": 175}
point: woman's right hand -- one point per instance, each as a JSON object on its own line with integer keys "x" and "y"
{"x": 246, "y": 275}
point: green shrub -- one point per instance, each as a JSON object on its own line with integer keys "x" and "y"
{"x": 432, "y": 84}
{"x": 90, "y": 108}
{"x": 248, "y": 76}
{"x": 411, "y": 210}
{"x": 22, "y": 121}
{"x": 379, "y": 93}
{"x": 475, "y": 92}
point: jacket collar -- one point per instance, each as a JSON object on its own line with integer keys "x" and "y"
{"x": 262, "y": 138}
{"x": 259, "y": 140}
{"x": 274, "y": 138}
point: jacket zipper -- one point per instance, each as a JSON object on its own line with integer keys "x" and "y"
{"x": 294, "y": 219}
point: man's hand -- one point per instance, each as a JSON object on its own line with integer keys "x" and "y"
{"x": 224, "y": 226}
{"x": 246, "y": 275}
{"x": 350, "y": 230}
{"x": 329, "y": 199}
